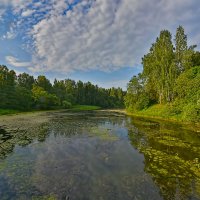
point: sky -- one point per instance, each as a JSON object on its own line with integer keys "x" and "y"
{"x": 101, "y": 41}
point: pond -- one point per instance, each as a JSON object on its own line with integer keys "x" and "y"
{"x": 97, "y": 155}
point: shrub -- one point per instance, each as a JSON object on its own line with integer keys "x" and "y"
{"x": 66, "y": 104}
{"x": 143, "y": 102}
{"x": 191, "y": 112}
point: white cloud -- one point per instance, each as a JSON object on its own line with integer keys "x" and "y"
{"x": 10, "y": 34}
{"x": 110, "y": 35}
{"x": 14, "y": 2}
{"x": 16, "y": 62}
{"x": 17, "y": 6}
{"x": 100, "y": 34}
{"x": 27, "y": 13}
{"x": 2, "y": 11}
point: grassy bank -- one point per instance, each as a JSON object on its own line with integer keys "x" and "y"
{"x": 76, "y": 108}
{"x": 162, "y": 112}
{"x": 8, "y": 111}
{"x": 84, "y": 108}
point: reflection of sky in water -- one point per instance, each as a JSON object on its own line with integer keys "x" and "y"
{"x": 94, "y": 156}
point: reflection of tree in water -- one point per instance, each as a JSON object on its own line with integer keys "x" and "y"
{"x": 171, "y": 157}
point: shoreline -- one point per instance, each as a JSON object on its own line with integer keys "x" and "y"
{"x": 195, "y": 126}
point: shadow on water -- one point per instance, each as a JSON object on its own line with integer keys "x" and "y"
{"x": 98, "y": 155}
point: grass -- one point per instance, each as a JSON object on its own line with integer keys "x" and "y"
{"x": 8, "y": 111}
{"x": 160, "y": 112}
{"x": 84, "y": 108}
{"x": 77, "y": 108}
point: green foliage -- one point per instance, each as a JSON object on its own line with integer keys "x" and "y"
{"x": 188, "y": 85}
{"x": 24, "y": 98}
{"x": 7, "y": 88}
{"x": 137, "y": 98}
{"x": 181, "y": 52}
{"x": 23, "y": 92}
{"x": 196, "y": 58}
{"x": 188, "y": 94}
{"x": 25, "y": 80}
{"x": 84, "y": 108}
{"x": 159, "y": 68}
{"x": 143, "y": 102}
{"x": 66, "y": 104}
{"x": 169, "y": 77}
{"x": 191, "y": 112}
{"x": 44, "y": 83}
{"x": 42, "y": 99}
{"x": 7, "y": 111}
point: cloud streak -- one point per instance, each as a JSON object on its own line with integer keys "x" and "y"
{"x": 17, "y": 63}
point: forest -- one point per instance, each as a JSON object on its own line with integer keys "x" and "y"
{"x": 169, "y": 85}
{"x": 23, "y": 92}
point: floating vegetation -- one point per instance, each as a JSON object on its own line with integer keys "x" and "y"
{"x": 172, "y": 158}
{"x": 62, "y": 155}
{"x": 103, "y": 133}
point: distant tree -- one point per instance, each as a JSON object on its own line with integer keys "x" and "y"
{"x": 25, "y": 80}
{"x": 80, "y": 93}
{"x": 24, "y": 100}
{"x": 71, "y": 90}
{"x": 43, "y": 99}
{"x": 7, "y": 87}
{"x": 59, "y": 89}
{"x": 44, "y": 83}
{"x": 24, "y": 92}
{"x": 136, "y": 97}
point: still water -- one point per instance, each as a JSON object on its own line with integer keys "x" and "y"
{"x": 97, "y": 156}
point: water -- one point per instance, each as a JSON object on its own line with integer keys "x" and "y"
{"x": 97, "y": 156}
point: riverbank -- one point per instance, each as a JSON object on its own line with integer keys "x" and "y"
{"x": 158, "y": 113}
{"x": 37, "y": 148}
{"x": 155, "y": 112}
{"x": 75, "y": 108}
{"x": 8, "y": 112}
{"x": 166, "y": 113}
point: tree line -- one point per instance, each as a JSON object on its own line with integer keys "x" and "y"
{"x": 24, "y": 92}
{"x": 170, "y": 76}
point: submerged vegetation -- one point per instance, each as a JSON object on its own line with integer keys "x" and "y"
{"x": 60, "y": 155}
{"x": 171, "y": 157}
{"x": 170, "y": 78}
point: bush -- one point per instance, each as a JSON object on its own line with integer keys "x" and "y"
{"x": 191, "y": 112}
{"x": 66, "y": 104}
{"x": 143, "y": 102}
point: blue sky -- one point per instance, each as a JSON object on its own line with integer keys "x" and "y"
{"x": 101, "y": 41}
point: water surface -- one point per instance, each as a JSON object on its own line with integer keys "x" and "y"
{"x": 97, "y": 155}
